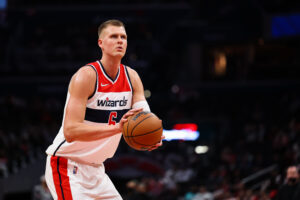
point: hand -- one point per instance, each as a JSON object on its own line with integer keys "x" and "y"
{"x": 158, "y": 144}
{"x": 126, "y": 115}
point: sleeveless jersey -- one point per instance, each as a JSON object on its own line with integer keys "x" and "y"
{"x": 111, "y": 99}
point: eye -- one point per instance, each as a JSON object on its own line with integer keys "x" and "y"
{"x": 114, "y": 36}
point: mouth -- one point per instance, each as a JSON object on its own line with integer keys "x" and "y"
{"x": 119, "y": 49}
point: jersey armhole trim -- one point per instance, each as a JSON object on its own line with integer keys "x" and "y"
{"x": 128, "y": 78}
{"x": 96, "y": 84}
{"x": 59, "y": 147}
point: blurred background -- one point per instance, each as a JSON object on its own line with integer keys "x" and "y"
{"x": 231, "y": 68}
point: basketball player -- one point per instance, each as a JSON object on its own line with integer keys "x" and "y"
{"x": 99, "y": 100}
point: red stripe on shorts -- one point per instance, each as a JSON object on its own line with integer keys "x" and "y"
{"x": 61, "y": 180}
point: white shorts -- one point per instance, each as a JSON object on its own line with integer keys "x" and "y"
{"x": 69, "y": 180}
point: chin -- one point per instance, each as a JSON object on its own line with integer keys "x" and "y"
{"x": 120, "y": 55}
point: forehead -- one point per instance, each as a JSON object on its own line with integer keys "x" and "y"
{"x": 110, "y": 29}
{"x": 292, "y": 170}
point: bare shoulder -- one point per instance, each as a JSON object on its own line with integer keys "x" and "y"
{"x": 85, "y": 74}
{"x": 132, "y": 74}
{"x": 138, "y": 88}
{"x": 83, "y": 80}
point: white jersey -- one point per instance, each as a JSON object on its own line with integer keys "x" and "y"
{"x": 110, "y": 101}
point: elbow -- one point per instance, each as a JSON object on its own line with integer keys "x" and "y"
{"x": 68, "y": 134}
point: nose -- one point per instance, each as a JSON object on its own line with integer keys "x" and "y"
{"x": 120, "y": 41}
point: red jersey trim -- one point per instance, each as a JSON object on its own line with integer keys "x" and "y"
{"x": 105, "y": 84}
{"x": 106, "y": 75}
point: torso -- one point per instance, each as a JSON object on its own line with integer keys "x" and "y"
{"x": 110, "y": 100}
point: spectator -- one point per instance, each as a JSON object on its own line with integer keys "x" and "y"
{"x": 203, "y": 194}
{"x": 41, "y": 191}
{"x": 288, "y": 190}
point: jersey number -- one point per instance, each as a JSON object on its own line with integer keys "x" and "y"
{"x": 112, "y": 117}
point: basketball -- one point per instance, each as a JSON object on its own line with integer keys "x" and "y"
{"x": 142, "y": 130}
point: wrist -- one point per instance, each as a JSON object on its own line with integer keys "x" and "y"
{"x": 117, "y": 128}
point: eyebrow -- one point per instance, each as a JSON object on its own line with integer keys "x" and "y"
{"x": 116, "y": 34}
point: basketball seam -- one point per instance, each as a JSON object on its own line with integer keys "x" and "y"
{"x": 132, "y": 137}
{"x": 150, "y": 145}
{"x": 123, "y": 131}
{"x": 127, "y": 132}
{"x": 145, "y": 133}
{"x": 140, "y": 122}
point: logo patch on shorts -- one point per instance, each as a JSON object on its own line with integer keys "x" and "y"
{"x": 75, "y": 170}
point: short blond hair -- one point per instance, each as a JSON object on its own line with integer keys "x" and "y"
{"x": 111, "y": 22}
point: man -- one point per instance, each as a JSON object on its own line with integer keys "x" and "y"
{"x": 288, "y": 190}
{"x": 99, "y": 98}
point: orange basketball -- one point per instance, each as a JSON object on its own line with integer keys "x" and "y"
{"x": 142, "y": 130}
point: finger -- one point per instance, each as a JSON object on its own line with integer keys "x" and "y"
{"x": 151, "y": 149}
{"x": 159, "y": 144}
{"x": 154, "y": 147}
{"x": 163, "y": 137}
{"x": 123, "y": 120}
{"x": 136, "y": 109}
{"x": 128, "y": 114}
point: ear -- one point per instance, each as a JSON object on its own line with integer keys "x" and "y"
{"x": 100, "y": 43}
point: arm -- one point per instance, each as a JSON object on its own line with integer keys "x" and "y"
{"x": 138, "y": 88}
{"x": 82, "y": 85}
{"x": 138, "y": 96}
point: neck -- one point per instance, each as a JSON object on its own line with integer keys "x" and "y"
{"x": 111, "y": 66}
